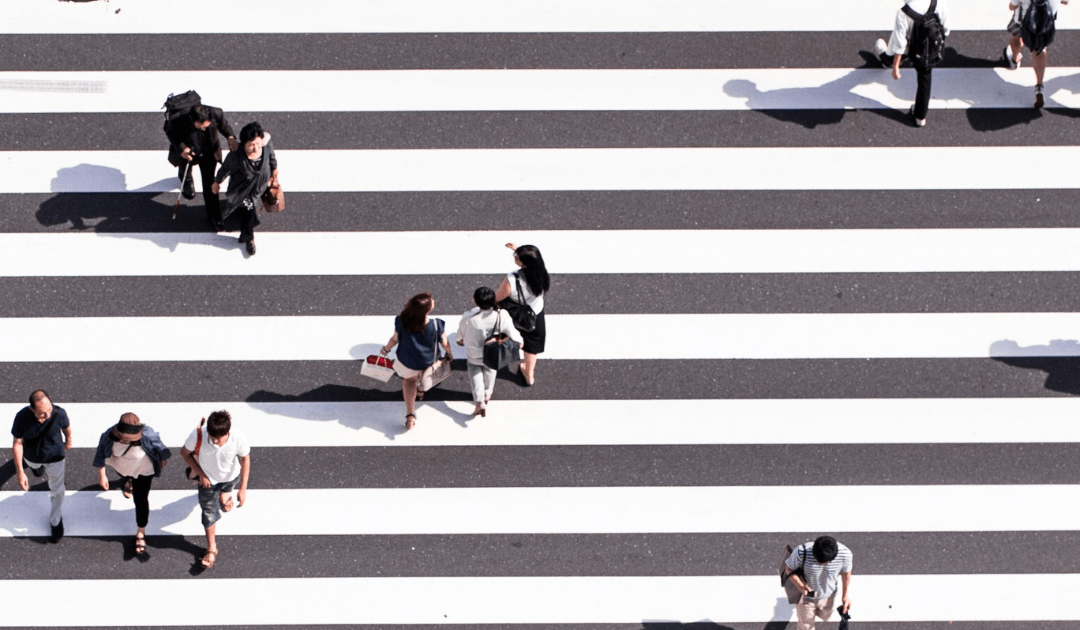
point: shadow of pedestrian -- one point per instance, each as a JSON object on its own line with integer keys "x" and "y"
{"x": 88, "y": 198}
{"x": 1060, "y": 359}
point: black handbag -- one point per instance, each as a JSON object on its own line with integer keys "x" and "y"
{"x": 500, "y": 350}
{"x": 520, "y": 313}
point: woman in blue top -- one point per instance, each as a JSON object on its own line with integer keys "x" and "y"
{"x": 417, "y": 338}
{"x": 135, "y": 451}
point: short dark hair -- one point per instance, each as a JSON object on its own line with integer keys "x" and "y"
{"x": 37, "y": 395}
{"x": 199, "y": 114}
{"x": 218, "y": 424}
{"x": 484, "y": 297}
{"x": 251, "y": 131}
{"x": 825, "y": 549}
{"x": 416, "y": 309}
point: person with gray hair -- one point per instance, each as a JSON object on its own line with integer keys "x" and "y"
{"x": 136, "y": 453}
{"x": 42, "y": 434}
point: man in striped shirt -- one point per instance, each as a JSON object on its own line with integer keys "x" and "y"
{"x": 822, "y": 562}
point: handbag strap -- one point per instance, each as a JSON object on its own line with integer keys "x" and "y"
{"x": 495, "y": 330}
{"x": 517, "y": 280}
{"x": 198, "y": 438}
{"x": 438, "y": 337}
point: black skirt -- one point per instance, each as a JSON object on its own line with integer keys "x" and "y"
{"x": 534, "y": 341}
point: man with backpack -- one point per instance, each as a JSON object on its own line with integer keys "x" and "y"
{"x": 194, "y": 131}
{"x": 920, "y": 32}
{"x": 1033, "y": 24}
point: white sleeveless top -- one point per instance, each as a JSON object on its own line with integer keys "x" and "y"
{"x": 534, "y": 301}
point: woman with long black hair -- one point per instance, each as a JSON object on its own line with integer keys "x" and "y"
{"x": 528, "y": 285}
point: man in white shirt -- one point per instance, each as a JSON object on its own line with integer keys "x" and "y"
{"x": 219, "y": 458}
{"x": 1038, "y": 44}
{"x": 898, "y": 45}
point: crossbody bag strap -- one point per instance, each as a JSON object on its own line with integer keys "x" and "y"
{"x": 517, "y": 280}
{"x": 198, "y": 438}
{"x": 911, "y": 13}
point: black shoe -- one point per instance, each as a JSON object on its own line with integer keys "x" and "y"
{"x": 188, "y": 189}
{"x": 57, "y": 531}
{"x": 250, "y": 246}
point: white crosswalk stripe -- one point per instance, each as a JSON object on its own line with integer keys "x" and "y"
{"x": 632, "y": 429}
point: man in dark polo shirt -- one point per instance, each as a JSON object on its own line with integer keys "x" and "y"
{"x": 42, "y": 434}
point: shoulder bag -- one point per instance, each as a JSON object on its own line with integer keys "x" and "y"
{"x": 793, "y": 592}
{"x": 439, "y": 370}
{"x": 500, "y": 350}
{"x": 195, "y": 453}
{"x": 521, "y": 314}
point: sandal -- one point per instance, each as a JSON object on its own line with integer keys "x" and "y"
{"x": 410, "y": 423}
{"x": 140, "y": 544}
{"x": 210, "y": 559}
{"x": 126, "y": 487}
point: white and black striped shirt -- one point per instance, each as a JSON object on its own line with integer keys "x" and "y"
{"x": 822, "y": 578}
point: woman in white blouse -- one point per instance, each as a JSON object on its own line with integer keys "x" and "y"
{"x": 477, "y": 325}
{"x": 528, "y": 285}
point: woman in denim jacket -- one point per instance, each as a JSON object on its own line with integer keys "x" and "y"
{"x": 136, "y": 453}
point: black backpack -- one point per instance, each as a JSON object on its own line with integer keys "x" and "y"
{"x": 926, "y": 46}
{"x": 1038, "y": 26}
{"x": 178, "y": 105}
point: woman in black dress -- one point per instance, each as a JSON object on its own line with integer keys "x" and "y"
{"x": 250, "y": 170}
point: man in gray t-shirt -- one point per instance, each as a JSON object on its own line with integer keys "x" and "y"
{"x": 822, "y": 562}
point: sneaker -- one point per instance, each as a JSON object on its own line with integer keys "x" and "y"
{"x": 188, "y": 190}
{"x": 1038, "y": 97}
{"x": 919, "y": 122}
{"x": 1012, "y": 63}
{"x": 882, "y": 51}
{"x": 57, "y": 531}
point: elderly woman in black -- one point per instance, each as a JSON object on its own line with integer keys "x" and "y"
{"x": 528, "y": 285}
{"x": 250, "y": 170}
{"x": 136, "y": 453}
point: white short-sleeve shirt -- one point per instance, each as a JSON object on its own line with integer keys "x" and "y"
{"x": 220, "y": 464}
{"x": 536, "y": 302}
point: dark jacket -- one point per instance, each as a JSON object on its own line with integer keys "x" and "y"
{"x": 183, "y": 134}
{"x": 245, "y": 182}
{"x": 151, "y": 443}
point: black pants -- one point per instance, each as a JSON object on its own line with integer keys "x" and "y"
{"x": 248, "y": 220}
{"x": 207, "y": 169}
{"x": 140, "y": 492}
{"x": 922, "y": 92}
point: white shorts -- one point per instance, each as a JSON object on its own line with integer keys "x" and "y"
{"x": 405, "y": 372}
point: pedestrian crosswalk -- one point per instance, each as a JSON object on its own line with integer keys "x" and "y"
{"x": 778, "y": 311}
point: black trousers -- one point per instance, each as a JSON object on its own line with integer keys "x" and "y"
{"x": 140, "y": 492}
{"x": 248, "y": 220}
{"x": 207, "y": 168}
{"x": 922, "y": 92}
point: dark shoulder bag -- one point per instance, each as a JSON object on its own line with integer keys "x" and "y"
{"x": 793, "y": 592}
{"x": 500, "y": 350}
{"x": 520, "y": 313}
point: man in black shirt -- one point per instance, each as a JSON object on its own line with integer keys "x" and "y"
{"x": 195, "y": 140}
{"x": 42, "y": 435}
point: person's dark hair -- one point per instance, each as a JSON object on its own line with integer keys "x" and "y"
{"x": 37, "y": 395}
{"x": 199, "y": 114}
{"x": 484, "y": 298}
{"x": 251, "y": 131}
{"x": 416, "y": 309}
{"x": 218, "y": 424}
{"x": 825, "y": 549}
{"x": 534, "y": 271}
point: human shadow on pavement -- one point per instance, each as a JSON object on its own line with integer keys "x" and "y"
{"x": 802, "y": 105}
{"x": 128, "y": 213}
{"x": 1060, "y": 359}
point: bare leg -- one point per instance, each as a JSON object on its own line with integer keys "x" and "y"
{"x": 528, "y": 367}
{"x": 1017, "y": 45}
{"x": 408, "y": 389}
{"x": 1038, "y": 62}
{"x": 211, "y": 547}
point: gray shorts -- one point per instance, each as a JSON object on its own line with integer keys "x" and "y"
{"x": 210, "y": 500}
